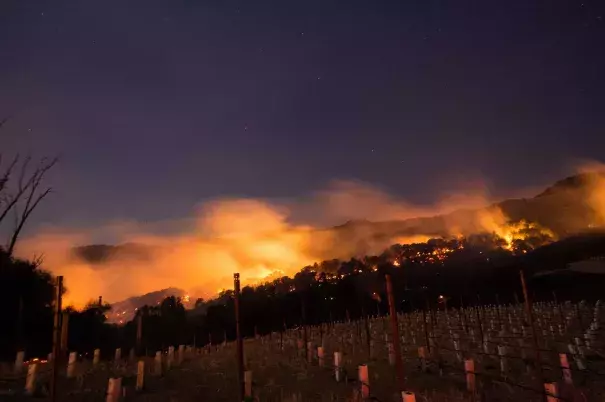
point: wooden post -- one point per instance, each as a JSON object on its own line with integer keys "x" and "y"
{"x": 170, "y": 358}
{"x": 158, "y": 363}
{"x": 248, "y": 384}
{"x": 30, "y": 382}
{"x": 426, "y": 331}
{"x": 240, "y": 344}
{"x": 303, "y": 308}
{"x": 139, "y": 341}
{"x": 140, "y": 375}
{"x": 181, "y": 355}
{"x": 96, "y": 357}
{"x": 56, "y": 337}
{"x": 530, "y": 317}
{"x": 64, "y": 332}
{"x": 395, "y": 332}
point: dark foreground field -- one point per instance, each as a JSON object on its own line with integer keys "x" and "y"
{"x": 505, "y": 366}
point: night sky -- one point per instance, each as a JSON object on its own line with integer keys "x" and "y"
{"x": 155, "y": 106}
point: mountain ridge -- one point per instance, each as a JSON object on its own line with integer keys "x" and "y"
{"x": 561, "y": 208}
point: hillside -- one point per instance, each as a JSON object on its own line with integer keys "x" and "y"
{"x": 562, "y": 208}
{"x": 124, "y": 310}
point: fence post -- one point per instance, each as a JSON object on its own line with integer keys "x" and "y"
{"x": 139, "y": 338}
{"x": 530, "y": 317}
{"x": 240, "y": 344}
{"x": 64, "y": 331}
{"x": 56, "y": 337}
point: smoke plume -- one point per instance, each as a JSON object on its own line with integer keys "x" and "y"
{"x": 256, "y": 238}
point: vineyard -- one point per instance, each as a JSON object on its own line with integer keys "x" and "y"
{"x": 513, "y": 352}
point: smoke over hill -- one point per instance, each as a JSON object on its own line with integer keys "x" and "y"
{"x": 259, "y": 238}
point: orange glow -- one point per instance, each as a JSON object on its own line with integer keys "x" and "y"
{"x": 265, "y": 240}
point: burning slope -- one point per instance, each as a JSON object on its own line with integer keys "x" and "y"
{"x": 259, "y": 239}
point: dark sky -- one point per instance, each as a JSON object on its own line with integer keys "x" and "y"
{"x": 157, "y": 105}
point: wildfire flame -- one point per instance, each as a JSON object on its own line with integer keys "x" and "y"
{"x": 259, "y": 240}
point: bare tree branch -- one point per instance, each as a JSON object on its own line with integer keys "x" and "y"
{"x": 34, "y": 197}
{"x": 23, "y": 185}
{"x": 8, "y": 172}
{"x": 38, "y": 260}
{"x": 25, "y": 188}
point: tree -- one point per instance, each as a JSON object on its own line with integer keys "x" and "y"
{"x": 21, "y": 192}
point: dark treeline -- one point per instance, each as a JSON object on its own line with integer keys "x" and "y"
{"x": 470, "y": 271}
